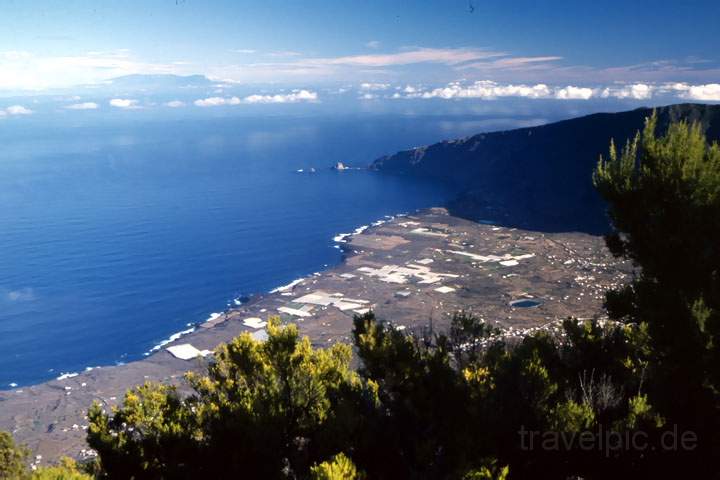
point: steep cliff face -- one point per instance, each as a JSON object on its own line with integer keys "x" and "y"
{"x": 538, "y": 177}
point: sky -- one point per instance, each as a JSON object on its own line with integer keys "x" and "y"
{"x": 299, "y": 51}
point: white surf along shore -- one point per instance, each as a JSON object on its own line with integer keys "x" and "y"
{"x": 339, "y": 239}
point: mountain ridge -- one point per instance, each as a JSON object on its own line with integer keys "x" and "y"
{"x": 159, "y": 82}
{"x": 538, "y": 178}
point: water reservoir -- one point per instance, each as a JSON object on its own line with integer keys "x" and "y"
{"x": 526, "y": 303}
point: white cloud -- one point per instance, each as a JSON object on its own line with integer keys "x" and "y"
{"x": 446, "y": 64}
{"x": 29, "y": 71}
{"x": 509, "y": 63}
{"x": 448, "y": 56}
{"x": 18, "y": 110}
{"x": 488, "y": 90}
{"x": 216, "y": 101}
{"x": 641, "y": 91}
{"x": 83, "y": 106}
{"x": 15, "y": 55}
{"x": 442, "y": 61}
{"x": 574, "y": 93}
{"x": 679, "y": 86}
{"x": 26, "y": 70}
{"x": 284, "y": 53}
{"x": 637, "y": 91}
{"x": 368, "y": 96}
{"x": 293, "y": 97}
{"x": 374, "y": 86}
{"x": 483, "y": 89}
{"x": 175, "y": 104}
{"x": 708, "y": 92}
{"x": 539, "y": 90}
{"x": 124, "y": 103}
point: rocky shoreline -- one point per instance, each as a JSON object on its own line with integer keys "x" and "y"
{"x": 414, "y": 271}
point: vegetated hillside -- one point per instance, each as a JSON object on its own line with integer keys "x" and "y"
{"x": 538, "y": 177}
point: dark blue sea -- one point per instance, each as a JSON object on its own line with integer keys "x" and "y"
{"x": 116, "y": 233}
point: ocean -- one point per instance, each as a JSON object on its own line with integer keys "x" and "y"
{"x": 117, "y": 233}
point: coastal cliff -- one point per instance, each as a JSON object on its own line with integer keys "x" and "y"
{"x": 539, "y": 177}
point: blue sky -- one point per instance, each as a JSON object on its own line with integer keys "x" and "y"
{"x": 450, "y": 49}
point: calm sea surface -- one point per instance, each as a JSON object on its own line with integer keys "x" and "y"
{"x": 117, "y": 233}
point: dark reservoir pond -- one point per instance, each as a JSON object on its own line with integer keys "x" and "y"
{"x": 526, "y": 303}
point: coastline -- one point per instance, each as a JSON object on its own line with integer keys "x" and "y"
{"x": 407, "y": 268}
{"x": 339, "y": 239}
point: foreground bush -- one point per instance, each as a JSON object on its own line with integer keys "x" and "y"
{"x": 664, "y": 200}
{"x": 14, "y": 464}
{"x": 265, "y": 410}
{"x": 417, "y": 408}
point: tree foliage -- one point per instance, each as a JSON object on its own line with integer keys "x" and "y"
{"x": 663, "y": 194}
{"x": 66, "y": 469}
{"x": 265, "y": 409}
{"x": 13, "y": 458}
{"x": 340, "y": 467}
{"x": 14, "y": 464}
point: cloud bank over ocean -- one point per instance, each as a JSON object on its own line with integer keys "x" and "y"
{"x": 187, "y": 94}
